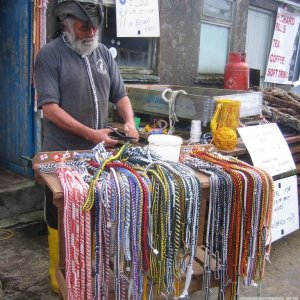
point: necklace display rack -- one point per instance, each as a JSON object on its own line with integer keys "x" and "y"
{"x": 179, "y": 243}
{"x": 52, "y": 181}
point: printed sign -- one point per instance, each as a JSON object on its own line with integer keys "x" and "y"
{"x": 285, "y": 217}
{"x": 267, "y": 148}
{"x": 137, "y": 18}
{"x": 281, "y": 61}
{"x": 270, "y": 152}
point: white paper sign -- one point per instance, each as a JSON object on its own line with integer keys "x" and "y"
{"x": 267, "y": 148}
{"x": 269, "y": 151}
{"x": 137, "y": 18}
{"x": 285, "y": 212}
{"x": 283, "y": 43}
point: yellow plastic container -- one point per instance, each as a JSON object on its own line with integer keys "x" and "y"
{"x": 227, "y": 114}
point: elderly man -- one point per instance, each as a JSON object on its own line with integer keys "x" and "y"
{"x": 75, "y": 78}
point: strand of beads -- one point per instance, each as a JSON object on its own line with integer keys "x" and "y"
{"x": 129, "y": 223}
{"x": 262, "y": 212}
{"x": 176, "y": 196}
{"x": 174, "y": 243}
{"x": 77, "y": 235}
{"x": 246, "y": 219}
{"x": 173, "y": 231}
{"x": 217, "y": 222}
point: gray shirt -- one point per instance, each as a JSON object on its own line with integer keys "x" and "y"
{"x": 61, "y": 77}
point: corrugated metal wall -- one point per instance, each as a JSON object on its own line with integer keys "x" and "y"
{"x": 16, "y": 101}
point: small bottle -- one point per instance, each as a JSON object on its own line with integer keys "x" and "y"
{"x": 196, "y": 131}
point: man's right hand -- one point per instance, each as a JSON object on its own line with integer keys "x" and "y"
{"x": 65, "y": 121}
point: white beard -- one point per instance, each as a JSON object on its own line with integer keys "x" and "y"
{"x": 85, "y": 46}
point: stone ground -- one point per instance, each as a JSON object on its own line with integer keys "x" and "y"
{"x": 24, "y": 265}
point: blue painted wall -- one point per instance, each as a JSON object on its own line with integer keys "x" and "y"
{"x": 17, "y": 118}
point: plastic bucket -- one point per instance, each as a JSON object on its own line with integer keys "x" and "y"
{"x": 167, "y": 146}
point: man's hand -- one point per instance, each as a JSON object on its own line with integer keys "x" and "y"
{"x": 124, "y": 109}
{"x": 130, "y": 130}
{"x": 102, "y": 135}
{"x": 65, "y": 121}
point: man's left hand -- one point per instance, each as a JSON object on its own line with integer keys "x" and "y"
{"x": 130, "y": 130}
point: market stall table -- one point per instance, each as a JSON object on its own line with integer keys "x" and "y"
{"x": 54, "y": 184}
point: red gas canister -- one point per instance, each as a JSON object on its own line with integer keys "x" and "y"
{"x": 236, "y": 75}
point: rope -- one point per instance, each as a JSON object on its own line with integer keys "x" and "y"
{"x": 43, "y": 22}
{"x": 171, "y": 101}
{"x": 225, "y": 138}
{"x": 5, "y": 234}
{"x": 94, "y": 92}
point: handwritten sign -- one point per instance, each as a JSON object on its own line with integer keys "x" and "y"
{"x": 267, "y": 148}
{"x": 137, "y": 18}
{"x": 269, "y": 151}
{"x": 285, "y": 217}
{"x": 279, "y": 69}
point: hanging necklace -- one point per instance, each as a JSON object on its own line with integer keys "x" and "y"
{"x": 77, "y": 235}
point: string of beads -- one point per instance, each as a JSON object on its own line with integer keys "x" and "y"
{"x": 239, "y": 220}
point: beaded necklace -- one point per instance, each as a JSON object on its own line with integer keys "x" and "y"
{"x": 143, "y": 211}
{"x": 235, "y": 222}
{"x": 118, "y": 216}
{"x": 77, "y": 235}
{"x": 248, "y": 219}
{"x": 220, "y": 198}
{"x": 264, "y": 209}
{"x": 102, "y": 239}
{"x": 91, "y": 193}
{"x": 164, "y": 249}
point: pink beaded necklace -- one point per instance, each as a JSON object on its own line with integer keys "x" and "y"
{"x": 77, "y": 230}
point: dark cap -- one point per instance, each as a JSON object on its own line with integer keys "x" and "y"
{"x": 89, "y": 11}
